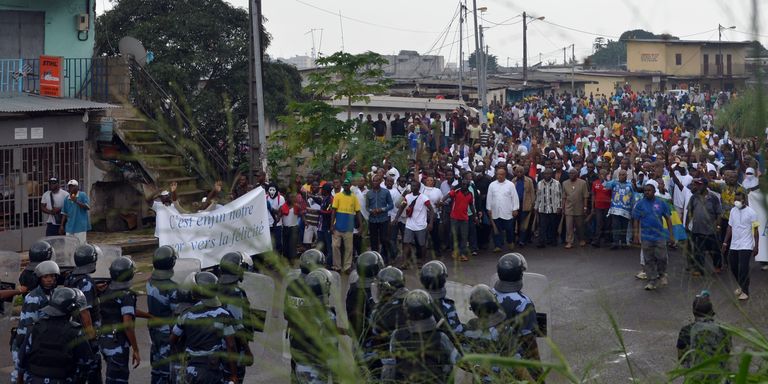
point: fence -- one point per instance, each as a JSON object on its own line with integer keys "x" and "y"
{"x": 84, "y": 78}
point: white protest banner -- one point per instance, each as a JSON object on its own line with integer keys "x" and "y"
{"x": 241, "y": 225}
{"x": 757, "y": 201}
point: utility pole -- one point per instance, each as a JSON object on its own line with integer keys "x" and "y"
{"x": 257, "y": 138}
{"x": 565, "y": 62}
{"x": 483, "y": 67}
{"x": 525, "y": 48}
{"x": 573, "y": 68}
{"x": 719, "y": 62}
{"x": 462, "y": 11}
{"x": 478, "y": 50}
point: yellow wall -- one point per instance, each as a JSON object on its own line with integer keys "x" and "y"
{"x": 604, "y": 84}
{"x": 646, "y": 57}
{"x": 737, "y": 58}
{"x": 690, "y": 64}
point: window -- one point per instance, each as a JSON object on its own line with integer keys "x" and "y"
{"x": 719, "y": 64}
{"x": 705, "y": 63}
{"x": 678, "y": 59}
{"x": 728, "y": 64}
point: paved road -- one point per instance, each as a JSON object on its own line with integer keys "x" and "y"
{"x": 586, "y": 285}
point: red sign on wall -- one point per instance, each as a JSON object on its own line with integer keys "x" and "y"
{"x": 51, "y": 68}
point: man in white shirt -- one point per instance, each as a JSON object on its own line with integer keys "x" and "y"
{"x": 681, "y": 179}
{"x": 51, "y": 203}
{"x": 419, "y": 218}
{"x": 167, "y": 199}
{"x": 744, "y": 237}
{"x": 503, "y": 205}
{"x": 435, "y": 196}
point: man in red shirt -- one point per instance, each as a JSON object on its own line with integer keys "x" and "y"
{"x": 601, "y": 202}
{"x": 462, "y": 204}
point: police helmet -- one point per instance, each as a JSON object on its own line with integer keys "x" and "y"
{"x": 163, "y": 262}
{"x": 369, "y": 264}
{"x": 319, "y": 283}
{"x": 82, "y": 302}
{"x": 204, "y": 285}
{"x": 121, "y": 272}
{"x": 482, "y": 301}
{"x": 40, "y": 251}
{"x": 47, "y": 267}
{"x": 63, "y": 302}
{"x": 390, "y": 280}
{"x": 231, "y": 268}
{"x": 418, "y": 305}
{"x": 511, "y": 266}
{"x": 310, "y": 260}
{"x": 433, "y": 275}
{"x": 85, "y": 258}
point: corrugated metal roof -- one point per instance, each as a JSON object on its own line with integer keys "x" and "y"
{"x": 35, "y": 103}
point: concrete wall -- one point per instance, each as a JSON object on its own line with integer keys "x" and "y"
{"x": 605, "y": 84}
{"x": 690, "y": 63}
{"x": 646, "y": 57}
{"x": 61, "y": 37}
{"x": 55, "y": 129}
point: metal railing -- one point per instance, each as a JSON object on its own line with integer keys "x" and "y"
{"x": 152, "y": 100}
{"x": 84, "y": 78}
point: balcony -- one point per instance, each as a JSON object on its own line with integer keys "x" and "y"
{"x": 84, "y": 78}
{"x": 715, "y": 71}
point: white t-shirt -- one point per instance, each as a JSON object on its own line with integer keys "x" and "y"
{"x": 435, "y": 195}
{"x": 291, "y": 219}
{"x": 418, "y": 219}
{"x": 502, "y": 199}
{"x": 396, "y": 199}
{"x": 360, "y": 194}
{"x": 274, "y": 204}
{"x": 57, "y": 199}
{"x": 742, "y": 222}
{"x": 678, "y": 199}
{"x": 156, "y": 205}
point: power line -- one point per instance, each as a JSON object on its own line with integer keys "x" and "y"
{"x": 580, "y": 31}
{"x": 336, "y": 14}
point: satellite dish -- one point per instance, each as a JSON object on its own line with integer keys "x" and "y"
{"x": 132, "y": 48}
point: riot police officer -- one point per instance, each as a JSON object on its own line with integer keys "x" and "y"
{"x": 490, "y": 333}
{"x": 433, "y": 276}
{"x": 359, "y": 301}
{"x": 519, "y": 308}
{"x": 386, "y": 317}
{"x": 56, "y": 350}
{"x": 311, "y": 351}
{"x": 47, "y": 273}
{"x": 162, "y": 296}
{"x": 118, "y": 312}
{"x": 39, "y": 251}
{"x": 231, "y": 269}
{"x": 296, "y": 290}
{"x": 419, "y": 353}
{"x": 207, "y": 329}
{"x": 80, "y": 279}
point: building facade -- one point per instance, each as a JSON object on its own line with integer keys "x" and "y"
{"x": 411, "y": 65}
{"x": 683, "y": 64}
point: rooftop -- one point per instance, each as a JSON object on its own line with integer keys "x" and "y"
{"x": 693, "y": 42}
{"x": 25, "y": 103}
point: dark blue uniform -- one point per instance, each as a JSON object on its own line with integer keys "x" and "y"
{"x": 34, "y": 301}
{"x": 162, "y": 296}
{"x": 86, "y": 285}
{"x": 236, "y": 302}
{"x": 55, "y": 351}
{"x": 113, "y": 341}
{"x": 204, "y": 329}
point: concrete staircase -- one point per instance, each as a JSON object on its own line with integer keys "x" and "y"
{"x": 159, "y": 159}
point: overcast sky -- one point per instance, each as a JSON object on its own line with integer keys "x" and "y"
{"x": 390, "y": 26}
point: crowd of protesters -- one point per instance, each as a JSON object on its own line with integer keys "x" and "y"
{"x": 546, "y": 171}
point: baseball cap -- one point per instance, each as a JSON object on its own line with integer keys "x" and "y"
{"x": 73, "y": 182}
{"x": 750, "y": 171}
{"x": 164, "y": 193}
{"x": 683, "y": 164}
{"x": 53, "y": 180}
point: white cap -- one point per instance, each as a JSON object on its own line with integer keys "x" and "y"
{"x": 711, "y": 167}
{"x": 749, "y": 171}
{"x": 620, "y": 154}
{"x": 711, "y": 153}
{"x": 73, "y": 182}
{"x": 164, "y": 193}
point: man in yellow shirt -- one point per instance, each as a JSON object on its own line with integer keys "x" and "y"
{"x": 345, "y": 216}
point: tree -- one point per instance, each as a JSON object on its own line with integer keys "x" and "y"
{"x": 491, "y": 64}
{"x": 313, "y": 126}
{"x": 745, "y": 115}
{"x": 613, "y": 53}
{"x": 201, "y": 52}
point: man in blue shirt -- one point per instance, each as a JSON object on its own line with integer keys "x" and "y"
{"x": 648, "y": 214}
{"x": 75, "y": 221}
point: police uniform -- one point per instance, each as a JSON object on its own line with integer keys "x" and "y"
{"x": 386, "y": 318}
{"x": 34, "y": 301}
{"x": 420, "y": 352}
{"x": 492, "y": 336}
{"x": 85, "y": 284}
{"x": 113, "y": 342}
{"x": 204, "y": 328}
{"x": 446, "y": 310}
{"x": 55, "y": 350}
{"x": 236, "y": 302}
{"x": 359, "y": 303}
{"x": 162, "y": 296}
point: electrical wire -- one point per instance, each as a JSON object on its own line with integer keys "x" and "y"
{"x": 336, "y": 14}
{"x": 579, "y": 30}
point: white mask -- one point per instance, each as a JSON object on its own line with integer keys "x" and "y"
{"x": 272, "y": 191}
{"x": 738, "y": 204}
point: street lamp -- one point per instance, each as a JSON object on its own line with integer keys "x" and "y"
{"x": 525, "y": 44}
{"x": 720, "y": 69}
